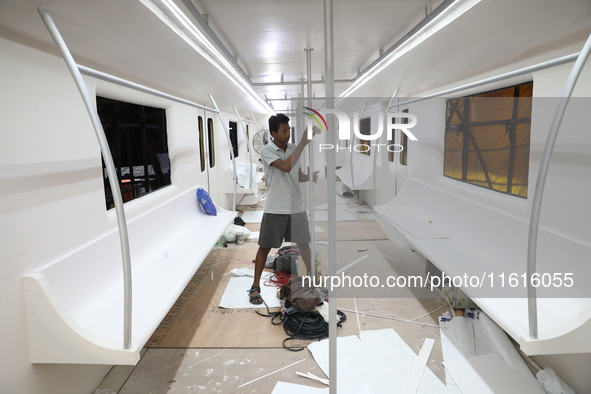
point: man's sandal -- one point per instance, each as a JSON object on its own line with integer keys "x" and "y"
{"x": 255, "y": 299}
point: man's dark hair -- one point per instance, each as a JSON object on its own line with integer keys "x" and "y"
{"x": 276, "y": 120}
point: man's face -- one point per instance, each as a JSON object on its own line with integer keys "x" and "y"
{"x": 283, "y": 133}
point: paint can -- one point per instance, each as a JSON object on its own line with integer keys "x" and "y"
{"x": 239, "y": 238}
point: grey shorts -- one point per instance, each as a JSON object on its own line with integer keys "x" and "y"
{"x": 275, "y": 228}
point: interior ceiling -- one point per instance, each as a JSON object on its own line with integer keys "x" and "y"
{"x": 268, "y": 37}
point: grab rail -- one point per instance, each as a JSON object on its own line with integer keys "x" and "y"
{"x": 227, "y": 133}
{"x": 240, "y": 120}
{"x": 579, "y": 58}
{"x": 534, "y": 223}
{"x": 110, "y": 166}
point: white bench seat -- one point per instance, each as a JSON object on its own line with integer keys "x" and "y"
{"x": 75, "y": 304}
{"x": 464, "y": 237}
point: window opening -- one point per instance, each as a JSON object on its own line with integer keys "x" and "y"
{"x": 403, "y": 157}
{"x": 364, "y": 129}
{"x": 211, "y": 143}
{"x": 487, "y": 139}
{"x": 201, "y": 143}
{"x": 234, "y": 138}
{"x": 138, "y": 142}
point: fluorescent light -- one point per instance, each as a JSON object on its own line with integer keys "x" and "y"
{"x": 178, "y": 22}
{"x": 454, "y": 11}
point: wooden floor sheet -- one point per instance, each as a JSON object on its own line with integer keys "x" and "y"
{"x": 196, "y": 321}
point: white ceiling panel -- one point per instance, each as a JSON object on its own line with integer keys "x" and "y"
{"x": 268, "y": 38}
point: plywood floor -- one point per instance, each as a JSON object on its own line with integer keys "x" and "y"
{"x": 199, "y": 342}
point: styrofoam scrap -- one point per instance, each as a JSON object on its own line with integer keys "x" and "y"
{"x": 313, "y": 377}
{"x": 461, "y": 336}
{"x": 271, "y": 373}
{"x": 466, "y": 378}
{"x": 414, "y": 379}
{"x": 292, "y": 388}
{"x": 488, "y": 373}
{"x": 242, "y": 272}
{"x": 376, "y": 358}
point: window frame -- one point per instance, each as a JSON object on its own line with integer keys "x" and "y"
{"x": 459, "y": 121}
{"x": 138, "y": 140}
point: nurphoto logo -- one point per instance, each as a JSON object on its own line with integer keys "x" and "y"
{"x": 407, "y": 121}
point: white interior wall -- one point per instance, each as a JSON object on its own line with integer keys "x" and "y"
{"x": 568, "y": 188}
{"x": 52, "y": 199}
{"x": 50, "y": 170}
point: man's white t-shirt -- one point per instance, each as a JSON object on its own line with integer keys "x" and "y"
{"x": 283, "y": 189}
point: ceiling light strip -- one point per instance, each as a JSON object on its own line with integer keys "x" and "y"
{"x": 213, "y": 37}
{"x": 175, "y": 18}
{"x": 446, "y": 13}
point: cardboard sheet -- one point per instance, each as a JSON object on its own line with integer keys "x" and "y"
{"x": 196, "y": 321}
{"x": 235, "y": 295}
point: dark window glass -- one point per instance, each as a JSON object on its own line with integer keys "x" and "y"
{"x": 211, "y": 142}
{"x": 404, "y": 142}
{"x": 365, "y": 129}
{"x": 201, "y": 144}
{"x": 138, "y": 141}
{"x": 234, "y": 138}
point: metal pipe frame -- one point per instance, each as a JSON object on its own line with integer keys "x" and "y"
{"x": 516, "y": 73}
{"x": 291, "y": 99}
{"x": 331, "y": 192}
{"x": 227, "y": 132}
{"x": 297, "y": 83}
{"x": 375, "y": 156}
{"x": 534, "y": 222}
{"x": 311, "y": 166}
{"x": 300, "y": 126}
{"x": 140, "y": 88}
{"x": 110, "y": 167}
{"x": 351, "y": 157}
{"x": 250, "y": 185}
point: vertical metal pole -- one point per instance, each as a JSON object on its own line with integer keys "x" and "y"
{"x": 331, "y": 197}
{"x": 375, "y": 158}
{"x": 352, "y": 157}
{"x": 111, "y": 172}
{"x": 227, "y": 132}
{"x": 534, "y": 223}
{"x": 250, "y": 185}
{"x": 300, "y": 118}
{"x": 311, "y": 170}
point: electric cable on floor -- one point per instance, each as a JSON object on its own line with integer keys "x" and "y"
{"x": 301, "y": 325}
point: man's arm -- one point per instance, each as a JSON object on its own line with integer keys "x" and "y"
{"x": 287, "y": 164}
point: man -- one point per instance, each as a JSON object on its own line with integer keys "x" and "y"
{"x": 284, "y": 217}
